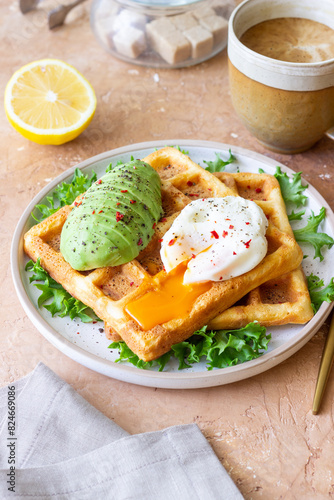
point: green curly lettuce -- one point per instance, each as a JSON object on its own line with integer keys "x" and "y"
{"x": 65, "y": 194}
{"x": 218, "y": 165}
{"x": 296, "y": 215}
{"x": 220, "y": 348}
{"x": 309, "y": 234}
{"x": 325, "y": 294}
{"x": 292, "y": 190}
{"x": 54, "y": 298}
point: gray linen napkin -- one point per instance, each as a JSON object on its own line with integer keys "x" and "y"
{"x": 66, "y": 449}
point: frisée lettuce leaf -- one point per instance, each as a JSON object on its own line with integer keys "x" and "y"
{"x": 218, "y": 165}
{"x": 65, "y": 194}
{"x": 292, "y": 190}
{"x": 220, "y": 348}
{"x": 296, "y": 215}
{"x": 325, "y": 294}
{"x": 54, "y": 298}
{"x": 309, "y": 234}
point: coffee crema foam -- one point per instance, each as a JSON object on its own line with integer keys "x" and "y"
{"x": 291, "y": 39}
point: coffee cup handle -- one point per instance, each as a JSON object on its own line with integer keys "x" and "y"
{"x": 330, "y": 133}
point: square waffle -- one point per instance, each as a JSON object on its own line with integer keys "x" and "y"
{"x": 285, "y": 299}
{"x": 109, "y": 290}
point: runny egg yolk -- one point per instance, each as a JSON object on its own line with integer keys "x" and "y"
{"x": 171, "y": 300}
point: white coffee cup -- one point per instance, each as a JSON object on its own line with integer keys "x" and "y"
{"x": 287, "y": 106}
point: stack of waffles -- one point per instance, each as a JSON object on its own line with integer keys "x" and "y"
{"x": 273, "y": 293}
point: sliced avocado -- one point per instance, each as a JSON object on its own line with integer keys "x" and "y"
{"x": 115, "y": 220}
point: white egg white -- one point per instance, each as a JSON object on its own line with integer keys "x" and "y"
{"x": 219, "y": 237}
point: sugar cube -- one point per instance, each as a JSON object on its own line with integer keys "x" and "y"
{"x": 130, "y": 41}
{"x": 129, "y": 18}
{"x": 184, "y": 21}
{"x": 218, "y": 27}
{"x": 169, "y": 42}
{"x": 201, "y": 41}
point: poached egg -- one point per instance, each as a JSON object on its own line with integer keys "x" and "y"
{"x": 220, "y": 238}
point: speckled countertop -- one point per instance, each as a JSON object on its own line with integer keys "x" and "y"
{"x": 262, "y": 429}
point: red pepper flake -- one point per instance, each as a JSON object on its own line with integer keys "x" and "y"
{"x": 215, "y": 234}
{"x": 172, "y": 241}
{"x": 160, "y": 240}
{"x": 227, "y": 219}
{"x": 247, "y": 243}
{"x": 234, "y": 253}
{"x": 93, "y": 212}
{"x": 100, "y": 211}
{"x": 248, "y": 187}
{"x": 154, "y": 225}
{"x": 119, "y": 216}
{"x": 225, "y": 233}
{"x": 124, "y": 190}
{"x": 221, "y": 278}
{"x": 258, "y": 190}
{"x": 99, "y": 181}
{"x": 247, "y": 223}
{"x": 193, "y": 255}
{"x": 132, "y": 201}
{"x": 94, "y": 322}
{"x": 193, "y": 194}
{"x": 75, "y": 204}
{"x": 78, "y": 333}
{"x": 163, "y": 219}
{"x": 231, "y": 227}
{"x": 189, "y": 183}
{"x": 132, "y": 282}
{"x": 118, "y": 203}
{"x": 267, "y": 216}
{"x": 140, "y": 242}
{"x": 209, "y": 189}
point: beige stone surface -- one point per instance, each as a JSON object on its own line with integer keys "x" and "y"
{"x": 262, "y": 429}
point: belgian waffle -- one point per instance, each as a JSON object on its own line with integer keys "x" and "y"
{"x": 284, "y": 299}
{"x": 109, "y": 290}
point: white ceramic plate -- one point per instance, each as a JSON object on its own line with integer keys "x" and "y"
{"x": 86, "y": 343}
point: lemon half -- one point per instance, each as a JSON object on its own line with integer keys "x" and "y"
{"x": 49, "y": 102}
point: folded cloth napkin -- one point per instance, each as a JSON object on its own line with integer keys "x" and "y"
{"x": 63, "y": 448}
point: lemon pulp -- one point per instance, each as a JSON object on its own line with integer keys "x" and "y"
{"x": 49, "y": 102}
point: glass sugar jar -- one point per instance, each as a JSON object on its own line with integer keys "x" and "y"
{"x": 161, "y": 33}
